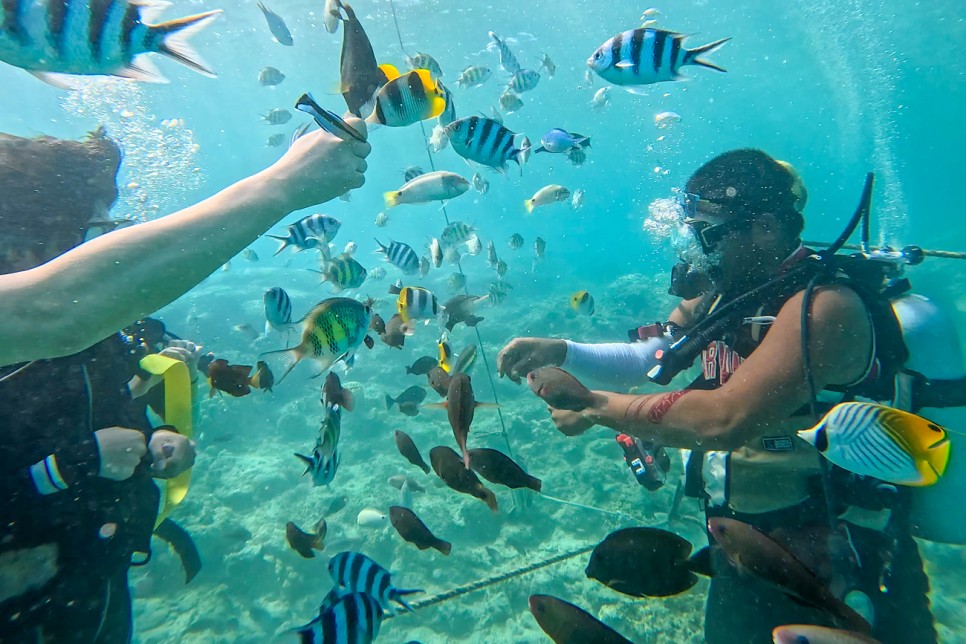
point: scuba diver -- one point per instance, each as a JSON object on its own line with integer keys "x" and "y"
{"x": 778, "y": 334}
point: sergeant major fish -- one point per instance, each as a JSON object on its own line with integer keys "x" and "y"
{"x": 343, "y": 272}
{"x": 270, "y": 77}
{"x": 474, "y": 76}
{"x": 53, "y": 38}
{"x": 424, "y": 61}
{"x": 400, "y": 255}
{"x": 645, "y": 56}
{"x": 323, "y": 464}
{"x": 278, "y": 310}
{"x": 333, "y": 330}
{"x": 348, "y": 618}
{"x": 484, "y": 141}
{"x": 507, "y": 60}
{"x": 523, "y": 81}
{"x": 309, "y": 232}
{"x": 359, "y": 573}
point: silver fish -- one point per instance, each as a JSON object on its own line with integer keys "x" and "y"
{"x": 277, "y": 26}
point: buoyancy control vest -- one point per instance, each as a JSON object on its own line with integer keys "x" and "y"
{"x": 776, "y": 470}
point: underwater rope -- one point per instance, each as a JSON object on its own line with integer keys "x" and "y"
{"x": 489, "y": 581}
{"x": 942, "y": 254}
{"x": 459, "y": 265}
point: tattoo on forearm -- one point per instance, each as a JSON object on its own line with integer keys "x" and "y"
{"x": 636, "y": 405}
{"x": 662, "y": 405}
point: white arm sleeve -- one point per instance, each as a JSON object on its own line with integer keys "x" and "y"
{"x": 618, "y": 365}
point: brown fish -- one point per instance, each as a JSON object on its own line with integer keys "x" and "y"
{"x": 422, "y": 366}
{"x": 809, "y": 634}
{"x": 413, "y": 530}
{"x": 409, "y": 450}
{"x": 644, "y": 562}
{"x": 497, "y": 467}
{"x": 377, "y": 324}
{"x": 408, "y": 400}
{"x": 232, "y": 379}
{"x": 305, "y": 543}
{"x": 361, "y": 76}
{"x": 438, "y": 380}
{"x": 263, "y": 378}
{"x": 753, "y": 553}
{"x": 561, "y": 390}
{"x": 460, "y": 406}
{"x": 569, "y": 624}
{"x": 396, "y": 332}
{"x": 448, "y": 466}
{"x": 334, "y": 394}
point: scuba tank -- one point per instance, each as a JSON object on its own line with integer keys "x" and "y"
{"x": 935, "y": 353}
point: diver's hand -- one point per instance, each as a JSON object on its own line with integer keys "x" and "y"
{"x": 318, "y": 167}
{"x": 171, "y": 454}
{"x": 120, "y": 450}
{"x": 523, "y": 355}
{"x": 570, "y": 423}
{"x": 187, "y": 352}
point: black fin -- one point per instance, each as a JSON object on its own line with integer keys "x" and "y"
{"x": 179, "y": 539}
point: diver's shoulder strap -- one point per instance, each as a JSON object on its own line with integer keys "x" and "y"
{"x": 177, "y": 412}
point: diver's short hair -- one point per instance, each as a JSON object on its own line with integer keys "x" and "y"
{"x": 749, "y": 182}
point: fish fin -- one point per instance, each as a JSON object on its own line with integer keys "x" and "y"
{"x": 285, "y": 243}
{"x": 60, "y": 81}
{"x": 700, "y": 562}
{"x": 624, "y": 64}
{"x": 392, "y": 198}
{"x": 490, "y": 499}
{"x": 528, "y": 203}
{"x": 151, "y": 10}
{"x": 175, "y": 35}
{"x": 390, "y": 71}
{"x": 397, "y": 596}
{"x": 308, "y": 462}
{"x": 142, "y": 69}
{"x": 691, "y": 57}
{"x": 539, "y": 149}
{"x": 348, "y": 400}
{"x": 439, "y": 405}
{"x": 487, "y": 405}
{"x": 636, "y": 90}
{"x": 389, "y": 401}
{"x": 369, "y": 342}
{"x": 183, "y": 545}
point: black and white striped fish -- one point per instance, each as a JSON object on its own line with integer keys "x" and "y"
{"x": 343, "y": 272}
{"x": 417, "y": 303}
{"x": 644, "y": 56}
{"x": 424, "y": 61}
{"x": 278, "y": 310}
{"x": 507, "y": 60}
{"x": 49, "y": 38}
{"x": 484, "y": 141}
{"x": 474, "y": 76}
{"x": 313, "y": 231}
{"x": 455, "y": 233}
{"x": 349, "y": 618}
{"x": 357, "y": 572}
{"x": 400, "y": 255}
{"x": 449, "y": 112}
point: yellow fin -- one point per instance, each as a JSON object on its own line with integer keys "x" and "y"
{"x": 390, "y": 71}
{"x": 392, "y": 198}
{"x": 437, "y": 106}
{"x": 529, "y": 204}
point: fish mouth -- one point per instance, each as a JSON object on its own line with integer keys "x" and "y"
{"x": 590, "y": 62}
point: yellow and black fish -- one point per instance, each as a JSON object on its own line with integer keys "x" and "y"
{"x": 407, "y": 98}
{"x": 582, "y": 302}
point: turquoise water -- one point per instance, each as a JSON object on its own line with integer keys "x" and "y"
{"x": 836, "y": 88}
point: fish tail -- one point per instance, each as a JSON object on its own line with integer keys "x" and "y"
{"x": 528, "y": 203}
{"x": 490, "y": 499}
{"x": 444, "y": 547}
{"x": 283, "y": 245}
{"x": 305, "y": 459}
{"x": 397, "y": 596}
{"x": 691, "y": 57}
{"x": 289, "y": 358}
{"x": 171, "y": 39}
{"x": 535, "y": 484}
{"x": 392, "y": 198}
{"x": 389, "y": 401}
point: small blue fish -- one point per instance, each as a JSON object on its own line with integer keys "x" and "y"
{"x": 347, "y": 618}
{"x": 558, "y": 141}
{"x": 400, "y": 255}
{"x": 357, "y": 572}
{"x": 313, "y": 231}
{"x": 278, "y": 310}
{"x": 277, "y": 26}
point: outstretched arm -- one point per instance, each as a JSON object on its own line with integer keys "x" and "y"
{"x": 81, "y": 297}
{"x": 762, "y": 393}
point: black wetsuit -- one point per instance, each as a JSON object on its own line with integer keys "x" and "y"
{"x": 744, "y": 610}
{"x": 53, "y": 407}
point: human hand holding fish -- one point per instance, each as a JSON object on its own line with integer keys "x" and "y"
{"x": 318, "y": 167}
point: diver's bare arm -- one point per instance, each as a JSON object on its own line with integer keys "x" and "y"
{"x": 764, "y": 391}
{"x": 99, "y": 287}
